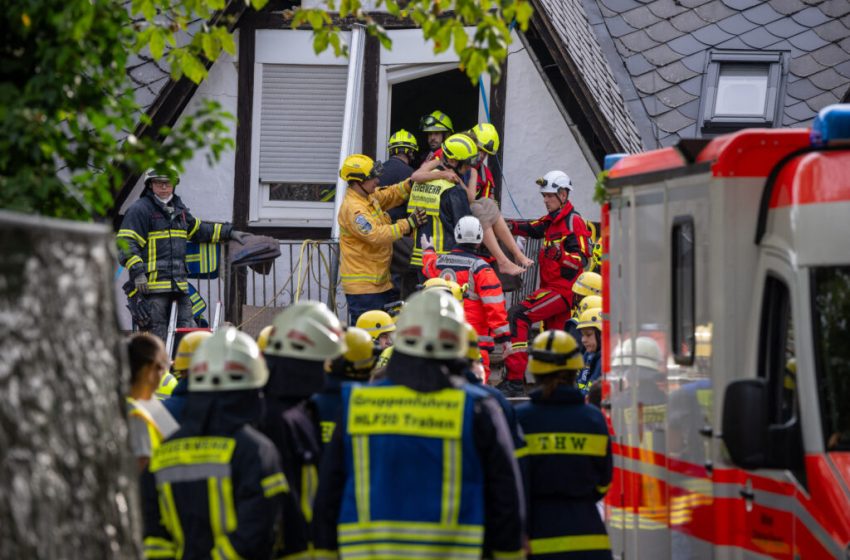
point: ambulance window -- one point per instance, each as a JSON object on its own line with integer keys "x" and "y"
{"x": 777, "y": 362}
{"x": 684, "y": 339}
{"x": 831, "y": 323}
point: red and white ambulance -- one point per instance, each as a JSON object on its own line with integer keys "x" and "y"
{"x": 726, "y": 345}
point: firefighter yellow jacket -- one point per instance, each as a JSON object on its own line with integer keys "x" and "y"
{"x": 366, "y": 236}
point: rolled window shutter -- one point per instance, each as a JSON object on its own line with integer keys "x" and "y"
{"x": 301, "y": 123}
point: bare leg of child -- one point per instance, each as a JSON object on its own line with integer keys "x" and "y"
{"x": 504, "y": 263}
{"x": 503, "y": 234}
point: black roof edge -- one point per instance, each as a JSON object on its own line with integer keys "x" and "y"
{"x": 170, "y": 104}
{"x": 690, "y": 148}
{"x": 573, "y": 92}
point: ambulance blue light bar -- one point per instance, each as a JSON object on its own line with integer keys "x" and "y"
{"x": 611, "y": 160}
{"x": 832, "y": 126}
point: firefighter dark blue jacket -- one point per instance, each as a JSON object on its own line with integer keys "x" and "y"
{"x": 216, "y": 488}
{"x": 418, "y": 471}
{"x": 156, "y": 236}
{"x": 328, "y": 406}
{"x": 568, "y": 468}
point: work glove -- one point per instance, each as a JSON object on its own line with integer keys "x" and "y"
{"x": 417, "y": 218}
{"x": 504, "y": 348}
{"x": 553, "y": 252}
{"x": 239, "y": 236}
{"x": 141, "y": 282}
{"x": 425, "y": 242}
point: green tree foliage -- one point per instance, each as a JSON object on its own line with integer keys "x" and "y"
{"x": 67, "y": 107}
{"x": 442, "y": 23}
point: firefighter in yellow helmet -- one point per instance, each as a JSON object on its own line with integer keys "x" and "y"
{"x": 436, "y": 126}
{"x": 563, "y": 435}
{"x": 456, "y": 290}
{"x": 590, "y": 327}
{"x": 367, "y": 234}
{"x": 420, "y": 461}
{"x": 355, "y": 364}
{"x": 176, "y": 399}
{"x": 402, "y": 148}
{"x": 379, "y": 325}
{"x": 216, "y": 488}
{"x": 588, "y": 284}
{"x": 263, "y": 337}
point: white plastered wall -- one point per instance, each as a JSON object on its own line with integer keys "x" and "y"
{"x": 537, "y": 140}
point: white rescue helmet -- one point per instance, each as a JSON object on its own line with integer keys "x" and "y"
{"x": 554, "y": 181}
{"x": 646, "y": 353}
{"x": 229, "y": 360}
{"x": 432, "y": 325}
{"x": 306, "y": 330}
{"x": 469, "y": 230}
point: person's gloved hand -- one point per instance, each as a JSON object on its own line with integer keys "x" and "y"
{"x": 505, "y": 348}
{"x": 417, "y": 218}
{"x": 553, "y": 252}
{"x": 425, "y": 242}
{"x": 239, "y": 236}
{"x": 141, "y": 282}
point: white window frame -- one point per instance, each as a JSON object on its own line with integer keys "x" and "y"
{"x": 410, "y": 58}
{"x": 285, "y": 47}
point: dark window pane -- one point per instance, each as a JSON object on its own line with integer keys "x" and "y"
{"x": 831, "y": 315}
{"x": 684, "y": 326}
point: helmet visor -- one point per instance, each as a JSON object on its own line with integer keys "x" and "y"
{"x": 377, "y": 170}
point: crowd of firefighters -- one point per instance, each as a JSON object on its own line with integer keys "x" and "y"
{"x": 383, "y": 439}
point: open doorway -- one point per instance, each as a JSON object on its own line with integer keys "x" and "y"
{"x": 450, "y": 92}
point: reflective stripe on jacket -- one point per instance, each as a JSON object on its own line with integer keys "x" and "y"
{"x": 566, "y": 247}
{"x": 484, "y": 302}
{"x": 445, "y": 203}
{"x": 156, "y": 241}
{"x": 565, "y": 435}
{"x": 366, "y": 235}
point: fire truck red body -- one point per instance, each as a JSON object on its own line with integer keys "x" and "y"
{"x": 732, "y": 257}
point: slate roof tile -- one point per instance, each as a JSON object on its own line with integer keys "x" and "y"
{"x": 787, "y": 7}
{"x": 762, "y": 14}
{"x": 807, "y": 41}
{"x": 714, "y": 11}
{"x": 672, "y": 121}
{"x": 695, "y": 62}
{"x": 737, "y": 25}
{"x": 661, "y": 55}
{"x": 640, "y": 17}
{"x": 799, "y": 111}
{"x": 804, "y": 66}
{"x": 832, "y": 31}
{"x": 686, "y": 45}
{"x": 663, "y": 31}
{"x": 637, "y": 65}
{"x": 624, "y": 51}
{"x": 845, "y": 44}
{"x": 674, "y": 97}
{"x": 843, "y": 69}
{"x": 676, "y": 72}
{"x": 828, "y": 79}
{"x": 654, "y": 106}
{"x": 822, "y": 100}
{"x": 785, "y": 27}
{"x": 802, "y": 90}
{"x": 830, "y": 55}
{"x": 741, "y": 4}
{"x": 835, "y": 8}
{"x": 758, "y": 38}
{"x": 668, "y": 140}
{"x": 733, "y": 43}
{"x": 690, "y": 109}
{"x": 620, "y": 6}
{"x": 651, "y": 83}
{"x": 688, "y": 132}
{"x": 693, "y": 86}
{"x": 607, "y": 12}
{"x": 810, "y": 17}
{"x": 693, "y": 3}
{"x": 638, "y": 41}
{"x": 666, "y": 8}
{"x": 618, "y": 27}
{"x": 710, "y": 35}
{"x": 687, "y": 22}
